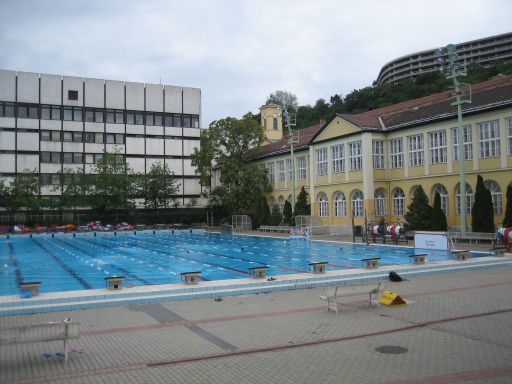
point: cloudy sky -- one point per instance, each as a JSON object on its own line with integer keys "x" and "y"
{"x": 237, "y": 52}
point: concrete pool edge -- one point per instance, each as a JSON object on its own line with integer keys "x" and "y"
{"x": 73, "y": 300}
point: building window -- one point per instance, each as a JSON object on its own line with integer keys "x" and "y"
{"x": 509, "y": 120}
{"x": 50, "y": 157}
{"x": 378, "y": 154}
{"x": 437, "y": 147}
{"x": 323, "y": 205}
{"x": 271, "y": 177}
{"x": 398, "y": 197}
{"x": 438, "y": 188}
{"x": 289, "y": 168}
{"x": 153, "y": 119}
{"x": 321, "y": 161}
{"x": 468, "y": 143}
{"x": 50, "y": 135}
{"x": 301, "y": 167}
{"x": 495, "y": 190}
{"x": 176, "y": 120}
{"x": 73, "y": 137}
{"x": 489, "y": 139}
{"x": 414, "y": 190}
{"x": 94, "y": 137}
{"x": 281, "y": 204}
{"x": 357, "y": 203}
{"x": 340, "y": 204}
{"x": 114, "y": 116}
{"x": 469, "y": 198}
{"x": 416, "y": 149}
{"x": 114, "y": 138}
{"x": 72, "y": 113}
{"x": 187, "y": 123}
{"x": 280, "y": 170}
{"x": 72, "y": 95}
{"x": 355, "y": 155}
{"x": 195, "y": 121}
{"x": 93, "y": 115}
{"x": 27, "y": 111}
{"x": 274, "y": 125}
{"x": 93, "y": 158}
{"x": 6, "y": 109}
{"x": 338, "y": 158}
{"x": 380, "y": 202}
{"x": 397, "y": 153}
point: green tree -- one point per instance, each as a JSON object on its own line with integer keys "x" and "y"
{"x": 438, "y": 218}
{"x": 507, "y": 220}
{"x": 159, "y": 186}
{"x": 113, "y": 189}
{"x": 302, "y": 206}
{"x": 228, "y": 144}
{"x": 275, "y": 216}
{"x": 419, "y": 212}
{"x": 482, "y": 211}
{"x": 73, "y": 187}
{"x": 284, "y": 99}
{"x": 4, "y": 193}
{"x": 261, "y": 213}
{"x": 24, "y": 192}
{"x": 287, "y": 213}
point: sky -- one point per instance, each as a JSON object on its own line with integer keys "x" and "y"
{"x": 237, "y": 52}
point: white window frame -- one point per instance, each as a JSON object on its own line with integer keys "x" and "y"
{"x": 444, "y": 197}
{"x": 339, "y": 204}
{"x": 301, "y": 167}
{"x": 489, "y": 139}
{"x": 271, "y": 175}
{"x": 323, "y": 205}
{"x": 321, "y": 161}
{"x": 280, "y": 171}
{"x": 281, "y": 204}
{"x": 338, "y": 158}
{"x": 398, "y": 198}
{"x": 468, "y": 143}
{"x": 469, "y": 199}
{"x": 396, "y": 151}
{"x": 495, "y": 190}
{"x": 378, "y": 154}
{"x": 416, "y": 151}
{"x": 355, "y": 155}
{"x": 509, "y": 121}
{"x": 380, "y": 202}
{"x": 437, "y": 145}
{"x": 289, "y": 168}
{"x": 357, "y": 200}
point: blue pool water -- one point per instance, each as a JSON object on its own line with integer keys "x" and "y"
{"x": 64, "y": 262}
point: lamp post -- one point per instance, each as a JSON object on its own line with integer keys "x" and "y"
{"x": 292, "y": 139}
{"x": 457, "y": 69}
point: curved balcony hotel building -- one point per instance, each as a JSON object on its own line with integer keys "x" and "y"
{"x": 482, "y": 51}
{"x": 49, "y": 123}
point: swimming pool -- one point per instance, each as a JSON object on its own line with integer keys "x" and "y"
{"x": 64, "y": 262}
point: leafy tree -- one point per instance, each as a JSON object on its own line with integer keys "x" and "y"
{"x": 438, "y": 218}
{"x": 228, "y": 144}
{"x": 74, "y": 187}
{"x": 113, "y": 187}
{"x": 287, "y": 213}
{"x": 159, "y": 186}
{"x": 4, "y": 193}
{"x": 507, "y": 220}
{"x": 24, "y": 191}
{"x": 302, "y": 206}
{"x": 418, "y": 212}
{"x": 284, "y": 99}
{"x": 482, "y": 210}
{"x": 275, "y": 216}
{"x": 261, "y": 213}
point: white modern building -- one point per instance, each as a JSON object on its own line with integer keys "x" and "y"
{"x": 50, "y": 122}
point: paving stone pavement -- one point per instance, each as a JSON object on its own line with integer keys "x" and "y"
{"x": 457, "y": 328}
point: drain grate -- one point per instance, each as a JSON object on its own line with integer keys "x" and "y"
{"x": 393, "y": 349}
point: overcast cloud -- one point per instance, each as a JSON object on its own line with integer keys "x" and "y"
{"x": 237, "y": 52}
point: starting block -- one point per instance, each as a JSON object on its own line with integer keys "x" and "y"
{"x": 372, "y": 263}
{"x": 318, "y": 267}
{"x": 114, "y": 282}
{"x": 32, "y": 287}
{"x": 258, "y": 272}
{"x": 190, "y": 277}
{"x": 460, "y": 255}
{"x": 418, "y": 259}
{"x": 391, "y": 299}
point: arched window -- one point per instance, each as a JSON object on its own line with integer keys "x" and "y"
{"x": 439, "y": 188}
{"x": 339, "y": 204}
{"x": 469, "y": 198}
{"x": 495, "y": 190}
{"x": 281, "y": 204}
{"x": 357, "y": 203}
{"x": 323, "y": 205}
{"x": 414, "y": 190}
{"x": 380, "y": 202}
{"x": 398, "y": 197}
{"x": 272, "y": 203}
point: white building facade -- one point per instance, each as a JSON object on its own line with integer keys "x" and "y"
{"x": 50, "y": 123}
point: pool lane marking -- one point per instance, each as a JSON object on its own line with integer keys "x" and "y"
{"x": 66, "y": 267}
{"x": 125, "y": 271}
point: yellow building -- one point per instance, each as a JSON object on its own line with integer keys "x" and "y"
{"x": 373, "y": 161}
